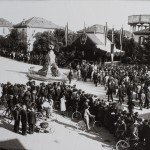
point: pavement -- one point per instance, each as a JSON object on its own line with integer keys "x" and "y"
{"x": 66, "y": 136}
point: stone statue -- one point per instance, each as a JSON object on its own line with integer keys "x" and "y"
{"x": 49, "y": 68}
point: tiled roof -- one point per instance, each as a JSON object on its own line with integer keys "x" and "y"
{"x": 94, "y": 29}
{"x": 94, "y": 39}
{"x": 37, "y": 22}
{"x": 5, "y": 23}
{"x": 142, "y": 32}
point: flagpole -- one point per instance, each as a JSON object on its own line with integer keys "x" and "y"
{"x": 112, "y": 46}
{"x": 121, "y": 37}
{"x": 66, "y": 34}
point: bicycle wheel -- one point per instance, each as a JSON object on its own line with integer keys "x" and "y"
{"x": 57, "y": 105}
{"x": 122, "y": 145}
{"x": 39, "y": 116}
{"x": 97, "y": 126}
{"x": 139, "y": 146}
{"x": 8, "y": 117}
{"x": 81, "y": 125}
{"x": 76, "y": 116}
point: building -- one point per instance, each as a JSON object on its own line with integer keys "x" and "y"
{"x": 140, "y": 36}
{"x": 97, "y": 47}
{"x": 5, "y": 27}
{"x": 30, "y": 27}
{"x": 138, "y": 22}
{"x": 140, "y": 27}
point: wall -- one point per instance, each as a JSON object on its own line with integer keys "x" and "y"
{"x": 136, "y": 37}
{"x": 4, "y": 31}
{"x": 29, "y": 34}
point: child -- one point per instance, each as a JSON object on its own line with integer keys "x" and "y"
{"x": 86, "y": 117}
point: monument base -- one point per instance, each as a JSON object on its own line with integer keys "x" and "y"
{"x": 47, "y": 77}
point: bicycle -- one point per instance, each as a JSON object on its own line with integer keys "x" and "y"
{"x": 3, "y": 105}
{"x": 95, "y": 125}
{"x": 76, "y": 116}
{"x": 7, "y": 114}
{"x": 129, "y": 144}
{"x": 42, "y": 116}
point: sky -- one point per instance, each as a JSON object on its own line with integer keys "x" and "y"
{"x": 114, "y": 12}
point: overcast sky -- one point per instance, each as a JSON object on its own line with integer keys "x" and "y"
{"x": 75, "y": 12}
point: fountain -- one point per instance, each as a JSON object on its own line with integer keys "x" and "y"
{"x": 50, "y": 71}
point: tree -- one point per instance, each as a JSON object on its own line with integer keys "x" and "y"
{"x": 13, "y": 42}
{"x": 63, "y": 53}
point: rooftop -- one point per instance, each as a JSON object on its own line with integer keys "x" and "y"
{"x": 5, "y": 23}
{"x": 37, "y": 22}
{"x": 95, "y": 39}
{"x": 97, "y": 28}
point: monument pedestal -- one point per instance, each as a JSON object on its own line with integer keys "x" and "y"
{"x": 49, "y": 71}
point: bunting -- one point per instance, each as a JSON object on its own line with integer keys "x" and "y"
{"x": 83, "y": 37}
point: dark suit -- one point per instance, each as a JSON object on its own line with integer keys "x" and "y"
{"x": 31, "y": 121}
{"x": 24, "y": 119}
{"x": 16, "y": 114}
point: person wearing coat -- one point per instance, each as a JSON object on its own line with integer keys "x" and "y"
{"x": 16, "y": 115}
{"x": 31, "y": 120}
{"x": 24, "y": 119}
{"x": 63, "y": 105}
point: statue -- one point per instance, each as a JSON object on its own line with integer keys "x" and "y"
{"x": 49, "y": 67}
{"x": 50, "y": 71}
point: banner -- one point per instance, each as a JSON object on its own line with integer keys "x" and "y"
{"x": 83, "y": 37}
{"x": 112, "y": 48}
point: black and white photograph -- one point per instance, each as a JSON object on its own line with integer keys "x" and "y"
{"x": 74, "y": 74}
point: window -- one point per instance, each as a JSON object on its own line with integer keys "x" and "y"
{"x": 4, "y": 30}
{"x": 141, "y": 40}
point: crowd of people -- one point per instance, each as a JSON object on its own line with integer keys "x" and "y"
{"x": 125, "y": 81}
{"x": 31, "y": 58}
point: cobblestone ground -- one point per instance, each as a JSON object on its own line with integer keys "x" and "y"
{"x": 65, "y": 137}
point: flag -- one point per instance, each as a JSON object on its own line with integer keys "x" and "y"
{"x": 66, "y": 34}
{"x": 105, "y": 33}
{"x": 83, "y": 37}
{"x": 121, "y": 38}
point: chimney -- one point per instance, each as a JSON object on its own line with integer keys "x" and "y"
{"x": 23, "y": 21}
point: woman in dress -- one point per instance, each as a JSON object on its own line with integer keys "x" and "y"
{"x": 63, "y": 105}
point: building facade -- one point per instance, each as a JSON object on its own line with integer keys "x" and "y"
{"x": 29, "y": 28}
{"x": 97, "y": 46}
{"x": 5, "y": 27}
{"x": 138, "y": 22}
